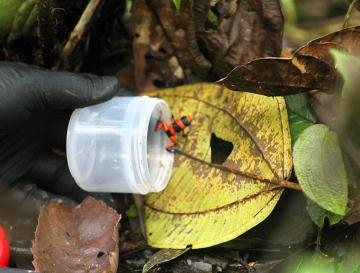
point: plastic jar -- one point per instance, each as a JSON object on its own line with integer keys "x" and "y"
{"x": 113, "y": 146}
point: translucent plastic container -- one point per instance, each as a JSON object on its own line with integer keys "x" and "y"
{"x": 113, "y": 146}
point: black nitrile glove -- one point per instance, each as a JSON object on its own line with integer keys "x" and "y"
{"x": 35, "y": 106}
{"x": 28, "y": 97}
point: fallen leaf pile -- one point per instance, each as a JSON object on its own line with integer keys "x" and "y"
{"x": 203, "y": 39}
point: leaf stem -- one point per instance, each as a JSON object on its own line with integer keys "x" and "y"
{"x": 348, "y": 13}
{"x": 282, "y": 183}
{"x": 289, "y": 185}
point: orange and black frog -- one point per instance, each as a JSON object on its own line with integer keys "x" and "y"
{"x": 176, "y": 126}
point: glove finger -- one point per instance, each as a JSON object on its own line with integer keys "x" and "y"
{"x": 57, "y": 129}
{"x": 25, "y": 90}
{"x": 65, "y": 90}
{"x": 60, "y": 120}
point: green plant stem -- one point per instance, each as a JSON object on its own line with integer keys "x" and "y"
{"x": 348, "y": 13}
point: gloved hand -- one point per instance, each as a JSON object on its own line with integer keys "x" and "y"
{"x": 35, "y": 105}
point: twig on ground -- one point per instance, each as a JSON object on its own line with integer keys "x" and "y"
{"x": 348, "y": 13}
{"x": 80, "y": 29}
{"x": 139, "y": 204}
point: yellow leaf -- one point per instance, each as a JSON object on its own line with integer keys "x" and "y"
{"x": 206, "y": 204}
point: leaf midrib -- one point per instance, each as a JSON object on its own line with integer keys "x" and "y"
{"x": 278, "y": 190}
{"x": 254, "y": 139}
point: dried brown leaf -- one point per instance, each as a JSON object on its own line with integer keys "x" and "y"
{"x": 79, "y": 239}
{"x": 346, "y": 39}
{"x": 154, "y": 63}
{"x": 281, "y": 76}
{"x": 311, "y": 67}
{"x": 320, "y": 51}
{"x": 255, "y": 31}
{"x": 172, "y": 47}
{"x": 180, "y": 29}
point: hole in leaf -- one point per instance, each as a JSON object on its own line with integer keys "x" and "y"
{"x": 159, "y": 83}
{"x": 149, "y": 56}
{"x": 100, "y": 254}
{"x": 220, "y": 149}
{"x": 162, "y": 50}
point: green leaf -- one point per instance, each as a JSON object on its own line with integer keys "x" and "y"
{"x": 299, "y": 105}
{"x": 348, "y": 122}
{"x": 8, "y": 10}
{"x": 17, "y": 18}
{"x": 300, "y": 115}
{"x": 131, "y": 212}
{"x": 290, "y": 12}
{"x": 320, "y": 169}
{"x": 349, "y": 67}
{"x": 311, "y": 263}
{"x": 212, "y": 17}
{"x": 318, "y": 214}
{"x": 177, "y": 4}
{"x": 128, "y": 5}
{"x": 350, "y": 259}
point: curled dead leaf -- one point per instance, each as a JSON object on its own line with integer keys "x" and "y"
{"x": 79, "y": 239}
{"x": 320, "y": 51}
{"x": 346, "y": 39}
{"x": 282, "y": 76}
{"x": 311, "y": 68}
